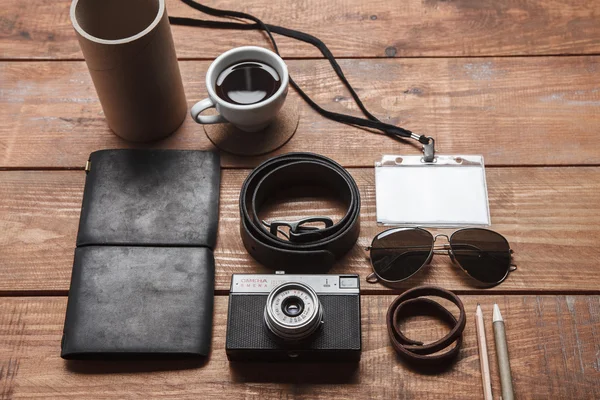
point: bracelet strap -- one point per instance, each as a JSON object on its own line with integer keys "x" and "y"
{"x": 412, "y": 303}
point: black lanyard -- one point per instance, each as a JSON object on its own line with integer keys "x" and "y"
{"x": 370, "y": 122}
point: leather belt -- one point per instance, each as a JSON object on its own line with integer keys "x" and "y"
{"x": 308, "y": 248}
{"x": 411, "y": 303}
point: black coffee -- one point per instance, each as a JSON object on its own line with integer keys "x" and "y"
{"x": 247, "y": 82}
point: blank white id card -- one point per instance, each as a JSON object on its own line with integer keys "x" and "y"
{"x": 449, "y": 192}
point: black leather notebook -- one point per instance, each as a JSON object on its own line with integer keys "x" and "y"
{"x": 143, "y": 274}
{"x": 150, "y": 197}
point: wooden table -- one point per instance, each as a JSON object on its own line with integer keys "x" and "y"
{"x": 516, "y": 81}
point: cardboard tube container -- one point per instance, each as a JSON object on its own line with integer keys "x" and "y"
{"x": 129, "y": 51}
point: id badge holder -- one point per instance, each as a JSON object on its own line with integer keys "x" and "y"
{"x": 449, "y": 191}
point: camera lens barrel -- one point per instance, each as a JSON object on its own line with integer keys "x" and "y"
{"x": 293, "y": 311}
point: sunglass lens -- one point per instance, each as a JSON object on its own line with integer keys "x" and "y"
{"x": 483, "y": 254}
{"x": 396, "y": 254}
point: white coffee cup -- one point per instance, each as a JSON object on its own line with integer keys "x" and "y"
{"x": 251, "y": 117}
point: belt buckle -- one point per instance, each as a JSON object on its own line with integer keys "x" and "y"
{"x": 299, "y": 233}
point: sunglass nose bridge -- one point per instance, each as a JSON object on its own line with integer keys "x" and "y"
{"x": 441, "y": 235}
{"x": 442, "y": 248}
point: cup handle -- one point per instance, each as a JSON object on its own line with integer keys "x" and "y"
{"x": 205, "y": 119}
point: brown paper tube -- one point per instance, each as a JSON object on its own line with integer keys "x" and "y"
{"x": 129, "y": 50}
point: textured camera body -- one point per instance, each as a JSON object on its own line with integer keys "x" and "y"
{"x": 338, "y": 339}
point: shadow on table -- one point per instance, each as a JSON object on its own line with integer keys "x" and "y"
{"x": 137, "y": 365}
{"x": 429, "y": 369}
{"x": 418, "y": 279}
{"x": 295, "y": 373}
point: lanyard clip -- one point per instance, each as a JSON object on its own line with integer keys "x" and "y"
{"x": 429, "y": 151}
{"x": 428, "y": 146}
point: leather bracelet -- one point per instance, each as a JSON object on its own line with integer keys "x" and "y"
{"x": 308, "y": 249}
{"x": 412, "y": 303}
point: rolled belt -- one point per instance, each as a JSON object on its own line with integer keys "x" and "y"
{"x": 411, "y": 303}
{"x": 308, "y": 248}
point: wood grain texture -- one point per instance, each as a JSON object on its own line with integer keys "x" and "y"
{"x": 550, "y": 216}
{"x": 351, "y": 28}
{"x": 514, "y": 111}
{"x": 552, "y": 342}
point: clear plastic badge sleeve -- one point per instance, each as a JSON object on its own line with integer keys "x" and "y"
{"x": 449, "y": 192}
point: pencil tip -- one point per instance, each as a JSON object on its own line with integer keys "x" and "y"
{"x": 496, "y": 315}
{"x": 478, "y": 311}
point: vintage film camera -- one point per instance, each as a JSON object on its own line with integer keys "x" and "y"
{"x": 294, "y": 318}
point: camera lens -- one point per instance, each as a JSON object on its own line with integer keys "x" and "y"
{"x": 293, "y": 311}
{"x": 292, "y": 306}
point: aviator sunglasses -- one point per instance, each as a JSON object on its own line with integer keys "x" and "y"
{"x": 398, "y": 253}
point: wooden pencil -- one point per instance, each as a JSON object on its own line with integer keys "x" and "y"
{"x": 483, "y": 356}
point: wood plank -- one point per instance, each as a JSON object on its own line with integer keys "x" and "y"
{"x": 552, "y": 342}
{"x": 550, "y": 216}
{"x": 351, "y": 28}
{"x": 514, "y": 111}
